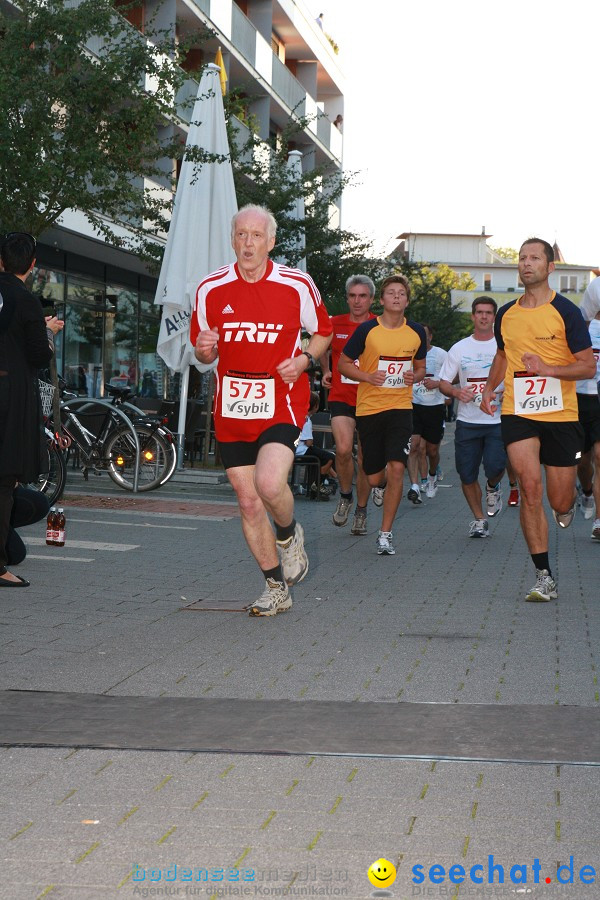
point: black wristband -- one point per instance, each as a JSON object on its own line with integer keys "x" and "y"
{"x": 312, "y": 363}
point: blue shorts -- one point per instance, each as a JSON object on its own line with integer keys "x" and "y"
{"x": 474, "y": 443}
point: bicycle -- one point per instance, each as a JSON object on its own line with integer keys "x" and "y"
{"x": 113, "y": 447}
{"x": 52, "y": 483}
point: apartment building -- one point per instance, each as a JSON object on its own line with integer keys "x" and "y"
{"x": 493, "y": 275}
{"x": 281, "y": 64}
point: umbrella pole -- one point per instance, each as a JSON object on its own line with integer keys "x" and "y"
{"x": 183, "y": 396}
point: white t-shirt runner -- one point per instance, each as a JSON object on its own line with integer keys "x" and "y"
{"x": 471, "y": 361}
{"x": 590, "y": 385}
{"x": 436, "y": 357}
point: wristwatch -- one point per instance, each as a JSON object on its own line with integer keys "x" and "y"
{"x": 312, "y": 363}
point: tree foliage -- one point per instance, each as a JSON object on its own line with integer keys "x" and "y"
{"x": 332, "y": 254}
{"x": 508, "y": 253}
{"x": 88, "y": 112}
{"x": 431, "y": 300}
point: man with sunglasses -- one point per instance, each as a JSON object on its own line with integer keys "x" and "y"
{"x": 24, "y": 348}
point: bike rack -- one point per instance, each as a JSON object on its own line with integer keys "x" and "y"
{"x": 87, "y": 401}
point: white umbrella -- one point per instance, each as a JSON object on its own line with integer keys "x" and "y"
{"x": 294, "y": 165}
{"x": 199, "y": 239}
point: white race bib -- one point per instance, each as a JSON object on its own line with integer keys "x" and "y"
{"x": 476, "y": 386}
{"x": 350, "y": 380}
{"x": 395, "y": 368}
{"x": 535, "y": 394}
{"x": 248, "y": 397}
{"x": 420, "y": 390}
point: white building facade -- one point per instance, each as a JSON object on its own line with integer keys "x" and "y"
{"x": 275, "y": 55}
{"x": 493, "y": 275}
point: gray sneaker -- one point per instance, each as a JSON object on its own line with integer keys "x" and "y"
{"x": 294, "y": 560}
{"x": 563, "y": 520}
{"x": 377, "y": 495}
{"x": 595, "y": 535}
{"x": 479, "y": 529}
{"x": 359, "y": 522}
{"x": 274, "y": 599}
{"x": 544, "y": 588}
{"x": 340, "y": 516}
{"x": 493, "y": 501}
{"x": 384, "y": 544}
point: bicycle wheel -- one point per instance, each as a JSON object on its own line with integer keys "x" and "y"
{"x": 172, "y": 465}
{"x": 52, "y": 483}
{"x": 155, "y": 453}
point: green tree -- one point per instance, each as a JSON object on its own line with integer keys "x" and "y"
{"x": 431, "y": 300}
{"x": 332, "y": 254}
{"x": 508, "y": 253}
{"x": 88, "y": 112}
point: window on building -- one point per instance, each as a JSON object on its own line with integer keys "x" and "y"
{"x": 121, "y": 338}
{"x": 277, "y": 46}
{"x": 487, "y": 281}
{"x": 84, "y": 331}
{"x": 568, "y": 283}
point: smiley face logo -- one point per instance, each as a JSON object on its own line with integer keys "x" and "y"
{"x": 381, "y": 873}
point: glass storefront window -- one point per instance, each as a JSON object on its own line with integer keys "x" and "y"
{"x": 121, "y": 337}
{"x": 83, "y": 336}
{"x": 110, "y": 334}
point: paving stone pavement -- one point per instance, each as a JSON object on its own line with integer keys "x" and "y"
{"x": 443, "y": 621}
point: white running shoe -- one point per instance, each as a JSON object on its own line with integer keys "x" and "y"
{"x": 377, "y": 495}
{"x": 544, "y": 588}
{"x": 587, "y": 506}
{"x": 493, "y": 500}
{"x": 359, "y": 522}
{"x": 431, "y": 487}
{"x": 274, "y": 599}
{"x": 596, "y": 531}
{"x": 423, "y": 485}
{"x": 439, "y": 474}
{"x": 340, "y": 516}
{"x": 479, "y": 529}
{"x": 294, "y": 560}
{"x": 384, "y": 543}
{"x": 563, "y": 520}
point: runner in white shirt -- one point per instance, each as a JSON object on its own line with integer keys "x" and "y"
{"x": 588, "y": 403}
{"x": 429, "y": 414}
{"x": 478, "y": 437}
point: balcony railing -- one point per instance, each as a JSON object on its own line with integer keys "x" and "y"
{"x": 289, "y": 89}
{"x": 243, "y": 34}
{"x": 203, "y": 5}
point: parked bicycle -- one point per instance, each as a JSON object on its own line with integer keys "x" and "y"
{"x": 104, "y": 442}
{"x": 52, "y": 482}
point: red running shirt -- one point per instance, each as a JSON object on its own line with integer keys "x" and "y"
{"x": 260, "y": 324}
{"x": 342, "y": 390}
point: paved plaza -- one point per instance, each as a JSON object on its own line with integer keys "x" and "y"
{"x": 442, "y": 622}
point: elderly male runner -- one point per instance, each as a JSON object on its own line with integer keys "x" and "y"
{"x": 360, "y": 292}
{"x": 544, "y": 347}
{"x": 248, "y": 321}
{"x": 391, "y": 353}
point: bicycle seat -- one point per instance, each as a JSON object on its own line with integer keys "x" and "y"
{"x": 118, "y": 391}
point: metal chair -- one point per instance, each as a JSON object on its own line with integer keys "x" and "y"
{"x": 306, "y": 470}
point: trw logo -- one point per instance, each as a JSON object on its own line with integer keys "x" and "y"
{"x": 254, "y": 333}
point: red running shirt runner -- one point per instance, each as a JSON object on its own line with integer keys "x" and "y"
{"x": 260, "y": 324}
